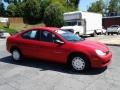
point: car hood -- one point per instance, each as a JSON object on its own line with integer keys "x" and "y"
{"x": 113, "y": 28}
{"x": 93, "y": 45}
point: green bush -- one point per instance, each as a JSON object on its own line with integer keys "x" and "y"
{"x": 11, "y": 10}
{"x": 32, "y": 10}
{"x": 53, "y": 15}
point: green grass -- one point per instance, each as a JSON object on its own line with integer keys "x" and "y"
{"x": 22, "y": 26}
{"x": 16, "y": 27}
{"x": 11, "y": 31}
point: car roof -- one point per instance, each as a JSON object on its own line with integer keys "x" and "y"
{"x": 46, "y": 28}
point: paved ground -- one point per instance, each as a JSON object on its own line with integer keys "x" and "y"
{"x": 38, "y": 75}
{"x": 108, "y": 39}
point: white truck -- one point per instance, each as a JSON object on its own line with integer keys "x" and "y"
{"x": 83, "y": 23}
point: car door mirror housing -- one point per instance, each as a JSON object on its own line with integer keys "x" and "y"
{"x": 59, "y": 42}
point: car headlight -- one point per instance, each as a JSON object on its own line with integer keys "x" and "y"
{"x": 100, "y": 53}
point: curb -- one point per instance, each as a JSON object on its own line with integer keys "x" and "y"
{"x": 113, "y": 44}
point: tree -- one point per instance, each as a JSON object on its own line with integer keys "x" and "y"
{"x": 97, "y": 7}
{"x": 19, "y": 10}
{"x": 44, "y": 4}
{"x": 32, "y": 10}
{"x": 53, "y": 15}
{"x": 15, "y": 9}
{"x": 11, "y": 9}
{"x": 13, "y": 1}
{"x": 68, "y": 5}
{"x": 114, "y": 6}
{"x": 2, "y": 10}
{"x": 74, "y": 2}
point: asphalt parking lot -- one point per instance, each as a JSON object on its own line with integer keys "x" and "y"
{"x": 39, "y": 75}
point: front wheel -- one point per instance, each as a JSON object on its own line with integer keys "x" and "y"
{"x": 79, "y": 63}
{"x": 118, "y": 32}
{"x": 16, "y": 55}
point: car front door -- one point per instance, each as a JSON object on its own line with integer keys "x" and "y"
{"x": 49, "y": 50}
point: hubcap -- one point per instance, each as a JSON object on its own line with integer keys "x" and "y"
{"x": 78, "y": 63}
{"x": 16, "y": 55}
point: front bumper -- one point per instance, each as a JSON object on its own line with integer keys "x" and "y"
{"x": 99, "y": 62}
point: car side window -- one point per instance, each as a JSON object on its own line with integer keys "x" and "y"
{"x": 48, "y": 36}
{"x": 33, "y": 34}
{"x": 30, "y": 34}
{"x": 55, "y": 38}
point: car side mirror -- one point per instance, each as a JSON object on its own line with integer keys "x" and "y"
{"x": 59, "y": 42}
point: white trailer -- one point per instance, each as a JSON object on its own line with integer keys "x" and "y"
{"x": 83, "y": 23}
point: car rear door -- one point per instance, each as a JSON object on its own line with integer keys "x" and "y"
{"x": 28, "y": 43}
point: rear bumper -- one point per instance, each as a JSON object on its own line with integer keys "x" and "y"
{"x": 100, "y": 62}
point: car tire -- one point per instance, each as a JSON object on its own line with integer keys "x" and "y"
{"x": 118, "y": 33}
{"x": 112, "y": 33}
{"x": 108, "y": 33}
{"x": 79, "y": 63}
{"x": 16, "y": 55}
{"x": 94, "y": 34}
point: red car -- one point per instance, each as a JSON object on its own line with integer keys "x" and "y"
{"x": 53, "y": 44}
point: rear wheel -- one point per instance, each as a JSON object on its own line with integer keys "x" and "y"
{"x": 112, "y": 33}
{"x": 78, "y": 63}
{"x": 16, "y": 55}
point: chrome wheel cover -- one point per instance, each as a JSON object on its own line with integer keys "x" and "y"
{"x": 78, "y": 63}
{"x": 16, "y": 55}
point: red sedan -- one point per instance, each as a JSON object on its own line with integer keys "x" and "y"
{"x": 52, "y": 44}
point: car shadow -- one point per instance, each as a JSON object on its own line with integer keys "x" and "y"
{"x": 44, "y": 65}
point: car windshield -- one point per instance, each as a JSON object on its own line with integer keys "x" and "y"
{"x": 69, "y": 36}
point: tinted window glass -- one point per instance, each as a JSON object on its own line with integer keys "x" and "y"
{"x": 69, "y": 36}
{"x": 48, "y": 36}
{"x": 30, "y": 34}
{"x": 33, "y": 34}
{"x": 55, "y": 38}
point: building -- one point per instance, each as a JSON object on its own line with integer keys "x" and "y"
{"x": 110, "y": 20}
